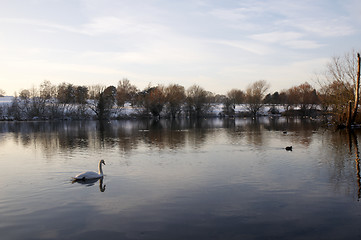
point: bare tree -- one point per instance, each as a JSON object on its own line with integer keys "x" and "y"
{"x": 303, "y": 95}
{"x": 47, "y": 90}
{"x": 255, "y": 94}
{"x": 95, "y": 90}
{"x": 338, "y": 84}
{"x": 125, "y": 92}
{"x": 81, "y": 94}
{"x": 24, "y": 95}
{"x": 197, "y": 101}
{"x": 2, "y": 93}
{"x": 175, "y": 97}
{"x": 66, "y": 93}
{"x": 234, "y": 97}
{"x": 14, "y": 109}
{"x": 48, "y": 94}
{"x": 153, "y": 100}
{"x": 32, "y": 104}
{"x": 103, "y": 102}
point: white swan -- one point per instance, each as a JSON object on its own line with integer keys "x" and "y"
{"x": 91, "y": 174}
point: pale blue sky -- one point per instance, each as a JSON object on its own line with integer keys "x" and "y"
{"x": 218, "y": 45}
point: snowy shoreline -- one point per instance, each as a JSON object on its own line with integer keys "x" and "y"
{"x": 130, "y": 112}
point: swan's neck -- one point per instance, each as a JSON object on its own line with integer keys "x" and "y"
{"x": 100, "y": 168}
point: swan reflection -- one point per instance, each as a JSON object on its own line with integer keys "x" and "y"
{"x": 91, "y": 182}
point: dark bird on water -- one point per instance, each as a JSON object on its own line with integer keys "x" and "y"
{"x": 289, "y": 148}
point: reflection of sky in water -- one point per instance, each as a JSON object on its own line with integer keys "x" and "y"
{"x": 214, "y": 179}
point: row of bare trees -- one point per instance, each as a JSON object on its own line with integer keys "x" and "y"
{"x": 69, "y": 101}
{"x": 337, "y": 86}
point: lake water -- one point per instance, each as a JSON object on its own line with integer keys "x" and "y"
{"x": 209, "y": 179}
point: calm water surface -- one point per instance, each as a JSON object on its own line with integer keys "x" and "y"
{"x": 210, "y": 179}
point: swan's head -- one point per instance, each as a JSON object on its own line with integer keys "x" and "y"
{"x": 102, "y": 162}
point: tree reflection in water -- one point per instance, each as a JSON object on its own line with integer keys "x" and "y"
{"x": 357, "y": 160}
{"x": 127, "y": 135}
{"x": 230, "y": 175}
{"x": 130, "y": 135}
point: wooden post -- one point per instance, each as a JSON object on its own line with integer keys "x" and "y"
{"x": 357, "y": 91}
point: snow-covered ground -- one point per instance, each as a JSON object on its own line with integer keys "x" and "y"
{"x": 6, "y": 100}
{"x": 217, "y": 109}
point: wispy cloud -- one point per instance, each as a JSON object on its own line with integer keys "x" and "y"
{"x": 39, "y": 23}
{"x": 277, "y": 36}
{"x": 303, "y": 44}
{"x": 289, "y": 39}
{"x": 309, "y": 17}
{"x": 230, "y": 14}
{"x": 120, "y": 26}
{"x": 96, "y": 26}
{"x": 322, "y": 27}
{"x": 248, "y": 46}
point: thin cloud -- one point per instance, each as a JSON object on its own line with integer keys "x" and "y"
{"x": 251, "y": 47}
{"x": 303, "y": 44}
{"x": 309, "y": 17}
{"x": 96, "y": 26}
{"x": 323, "y": 27}
{"x": 39, "y": 23}
{"x": 277, "y": 36}
{"x": 120, "y": 26}
{"x": 290, "y": 39}
{"x": 230, "y": 14}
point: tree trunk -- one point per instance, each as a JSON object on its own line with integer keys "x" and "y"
{"x": 357, "y": 91}
{"x": 349, "y": 115}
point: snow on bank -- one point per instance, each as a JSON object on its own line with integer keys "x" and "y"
{"x": 217, "y": 109}
{"x": 130, "y": 111}
{"x": 6, "y": 99}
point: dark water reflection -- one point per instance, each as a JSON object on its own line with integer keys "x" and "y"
{"x": 182, "y": 179}
{"x": 127, "y": 135}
